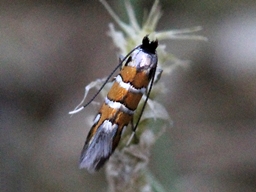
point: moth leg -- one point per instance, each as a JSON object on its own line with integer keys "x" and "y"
{"x": 158, "y": 74}
{"x": 143, "y": 106}
{"x": 133, "y": 135}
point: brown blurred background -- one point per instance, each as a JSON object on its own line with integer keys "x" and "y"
{"x": 49, "y": 50}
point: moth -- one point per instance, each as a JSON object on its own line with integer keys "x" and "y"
{"x": 135, "y": 79}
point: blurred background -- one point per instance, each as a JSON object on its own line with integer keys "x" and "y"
{"x": 49, "y": 50}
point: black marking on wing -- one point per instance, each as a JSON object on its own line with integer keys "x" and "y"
{"x": 96, "y": 152}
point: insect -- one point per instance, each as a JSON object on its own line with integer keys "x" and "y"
{"x": 135, "y": 79}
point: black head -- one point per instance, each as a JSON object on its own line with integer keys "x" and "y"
{"x": 149, "y": 46}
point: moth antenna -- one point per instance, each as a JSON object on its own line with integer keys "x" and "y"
{"x": 103, "y": 85}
